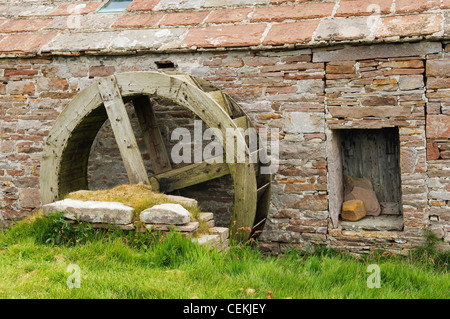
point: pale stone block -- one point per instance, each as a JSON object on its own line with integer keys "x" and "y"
{"x": 92, "y": 211}
{"x": 223, "y": 232}
{"x": 304, "y": 122}
{"x": 377, "y": 51}
{"x": 183, "y": 200}
{"x": 410, "y": 82}
{"x": 172, "y": 214}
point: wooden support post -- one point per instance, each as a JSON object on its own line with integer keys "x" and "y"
{"x": 152, "y": 135}
{"x": 123, "y": 132}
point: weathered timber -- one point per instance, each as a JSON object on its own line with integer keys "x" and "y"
{"x": 189, "y": 175}
{"x": 73, "y": 115}
{"x": 152, "y": 135}
{"x": 123, "y": 132}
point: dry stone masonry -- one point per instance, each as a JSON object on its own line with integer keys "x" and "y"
{"x": 312, "y": 69}
{"x": 159, "y": 218}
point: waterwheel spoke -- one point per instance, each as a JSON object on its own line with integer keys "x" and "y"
{"x": 152, "y": 135}
{"x": 189, "y": 175}
{"x": 123, "y": 132}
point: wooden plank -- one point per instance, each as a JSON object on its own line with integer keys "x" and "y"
{"x": 221, "y": 100}
{"x": 189, "y": 175}
{"x": 264, "y": 195}
{"x": 242, "y": 122}
{"x": 262, "y": 189}
{"x": 123, "y": 132}
{"x": 236, "y": 111}
{"x": 152, "y": 135}
{"x": 373, "y": 154}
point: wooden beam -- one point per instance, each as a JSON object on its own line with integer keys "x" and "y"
{"x": 221, "y": 100}
{"x": 242, "y": 122}
{"x": 123, "y": 132}
{"x": 152, "y": 135}
{"x": 189, "y": 175}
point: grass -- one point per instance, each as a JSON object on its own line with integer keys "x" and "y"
{"x": 123, "y": 264}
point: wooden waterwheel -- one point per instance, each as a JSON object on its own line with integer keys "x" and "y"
{"x": 66, "y": 152}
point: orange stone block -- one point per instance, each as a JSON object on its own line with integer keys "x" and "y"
{"x": 76, "y": 8}
{"x": 409, "y": 6}
{"x": 138, "y": 20}
{"x": 228, "y": 15}
{"x": 23, "y": 25}
{"x": 432, "y": 151}
{"x": 184, "y": 18}
{"x": 287, "y": 33}
{"x": 349, "y": 8}
{"x": 25, "y": 43}
{"x": 296, "y": 12}
{"x": 353, "y": 210}
{"x": 142, "y": 5}
{"x": 225, "y": 36}
{"x": 410, "y": 25}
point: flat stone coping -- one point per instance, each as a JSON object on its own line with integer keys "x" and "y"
{"x": 375, "y": 223}
{"x": 92, "y": 211}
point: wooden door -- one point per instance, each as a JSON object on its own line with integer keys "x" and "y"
{"x": 374, "y": 154}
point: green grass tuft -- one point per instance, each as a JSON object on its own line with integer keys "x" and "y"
{"x": 125, "y": 264}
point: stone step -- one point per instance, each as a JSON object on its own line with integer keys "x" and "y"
{"x": 212, "y": 241}
{"x": 219, "y": 238}
{"x": 382, "y": 222}
{"x": 223, "y": 232}
{"x": 163, "y": 218}
{"x": 208, "y": 217}
{"x": 186, "y": 228}
{"x": 169, "y": 214}
{"x": 183, "y": 200}
{"x": 92, "y": 211}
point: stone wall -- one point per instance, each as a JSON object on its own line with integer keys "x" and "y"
{"x": 308, "y": 94}
{"x": 438, "y": 142}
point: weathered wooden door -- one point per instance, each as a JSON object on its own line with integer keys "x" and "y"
{"x": 374, "y": 154}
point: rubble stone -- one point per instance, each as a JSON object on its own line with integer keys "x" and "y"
{"x": 173, "y": 214}
{"x": 92, "y": 211}
{"x": 353, "y": 210}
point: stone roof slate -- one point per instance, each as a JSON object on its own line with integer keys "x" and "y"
{"x": 30, "y": 27}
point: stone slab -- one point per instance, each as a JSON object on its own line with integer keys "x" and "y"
{"x": 379, "y": 223}
{"x": 352, "y": 53}
{"x": 187, "y": 228}
{"x": 172, "y": 214}
{"x": 92, "y": 211}
{"x": 107, "y": 226}
{"x": 223, "y": 232}
{"x": 343, "y": 29}
{"x": 183, "y": 200}
{"x": 116, "y": 41}
{"x": 210, "y": 240}
{"x": 304, "y": 122}
{"x": 206, "y": 216}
